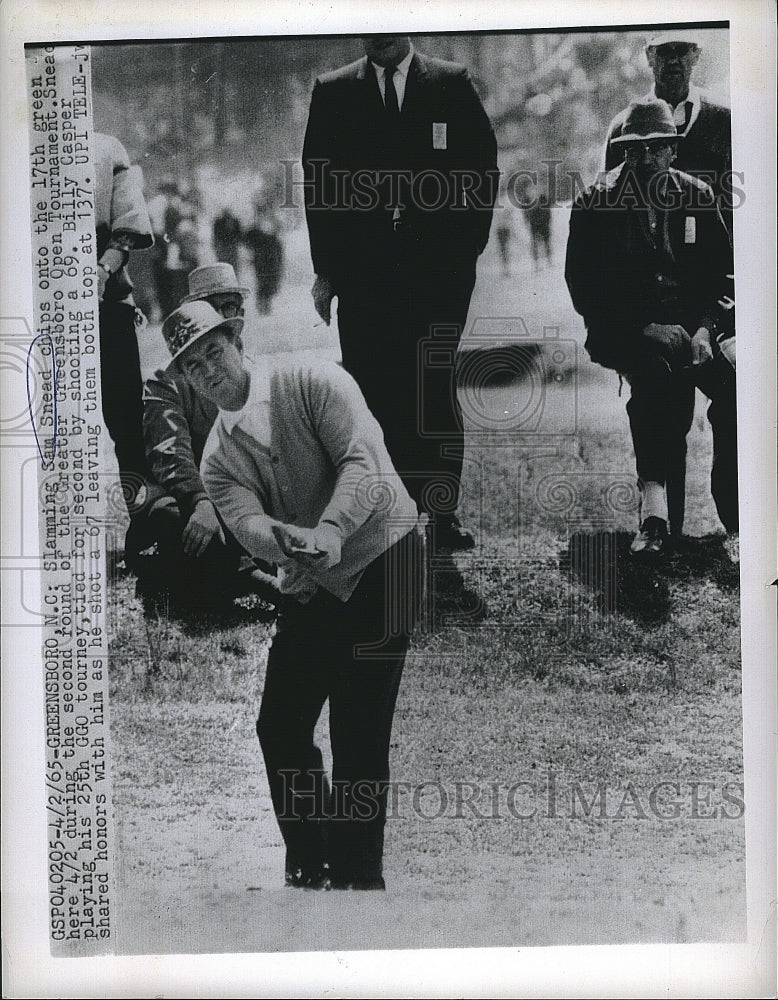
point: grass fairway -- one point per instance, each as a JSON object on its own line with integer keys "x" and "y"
{"x": 567, "y": 745}
{"x": 562, "y": 680}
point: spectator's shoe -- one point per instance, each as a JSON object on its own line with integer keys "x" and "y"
{"x": 732, "y": 547}
{"x": 359, "y": 884}
{"x": 140, "y": 533}
{"x": 303, "y": 878}
{"x": 138, "y": 541}
{"x": 449, "y": 534}
{"x": 651, "y": 540}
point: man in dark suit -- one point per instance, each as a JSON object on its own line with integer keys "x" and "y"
{"x": 704, "y": 128}
{"x": 648, "y": 267}
{"x": 401, "y": 175}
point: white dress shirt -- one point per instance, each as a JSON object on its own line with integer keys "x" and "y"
{"x": 400, "y": 78}
{"x": 254, "y": 416}
{"x": 679, "y": 111}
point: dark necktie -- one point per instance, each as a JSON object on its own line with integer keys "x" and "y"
{"x": 390, "y": 94}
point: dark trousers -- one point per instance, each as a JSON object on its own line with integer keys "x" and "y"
{"x": 351, "y": 653}
{"x": 717, "y": 380}
{"x": 661, "y": 410}
{"x": 400, "y": 322}
{"x": 195, "y": 582}
{"x": 122, "y": 395}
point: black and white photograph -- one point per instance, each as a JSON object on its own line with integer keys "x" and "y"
{"x": 383, "y": 455}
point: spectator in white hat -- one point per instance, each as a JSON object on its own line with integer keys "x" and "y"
{"x": 704, "y": 147}
{"x": 197, "y": 563}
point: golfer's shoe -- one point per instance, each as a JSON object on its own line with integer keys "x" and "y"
{"x": 450, "y": 534}
{"x": 732, "y": 546}
{"x": 651, "y": 540}
{"x": 359, "y": 884}
{"x": 304, "y": 878}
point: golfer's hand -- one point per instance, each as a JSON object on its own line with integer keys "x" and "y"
{"x": 701, "y": 349}
{"x": 201, "y": 528}
{"x": 672, "y": 339}
{"x": 323, "y": 294}
{"x": 102, "y": 278}
{"x": 313, "y": 548}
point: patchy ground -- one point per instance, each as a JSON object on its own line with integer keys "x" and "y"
{"x": 568, "y": 738}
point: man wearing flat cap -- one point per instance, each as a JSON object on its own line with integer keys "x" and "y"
{"x": 297, "y": 466}
{"x": 649, "y": 266}
{"x": 704, "y": 147}
{"x": 197, "y": 560}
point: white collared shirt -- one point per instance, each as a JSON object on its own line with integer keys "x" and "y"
{"x": 400, "y": 78}
{"x": 254, "y": 416}
{"x": 679, "y": 111}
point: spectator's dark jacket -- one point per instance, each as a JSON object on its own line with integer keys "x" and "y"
{"x": 615, "y": 270}
{"x": 176, "y": 424}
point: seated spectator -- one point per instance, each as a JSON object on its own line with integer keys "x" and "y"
{"x": 197, "y": 562}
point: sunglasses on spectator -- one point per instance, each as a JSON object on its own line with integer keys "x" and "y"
{"x": 651, "y": 145}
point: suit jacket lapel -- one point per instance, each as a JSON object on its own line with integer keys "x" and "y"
{"x": 414, "y": 85}
{"x": 368, "y": 83}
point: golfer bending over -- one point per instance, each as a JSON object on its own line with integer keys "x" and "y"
{"x": 297, "y": 467}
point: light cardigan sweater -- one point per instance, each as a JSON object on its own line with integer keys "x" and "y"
{"x": 326, "y": 467}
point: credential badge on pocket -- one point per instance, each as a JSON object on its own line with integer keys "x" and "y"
{"x": 439, "y": 135}
{"x": 690, "y": 232}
